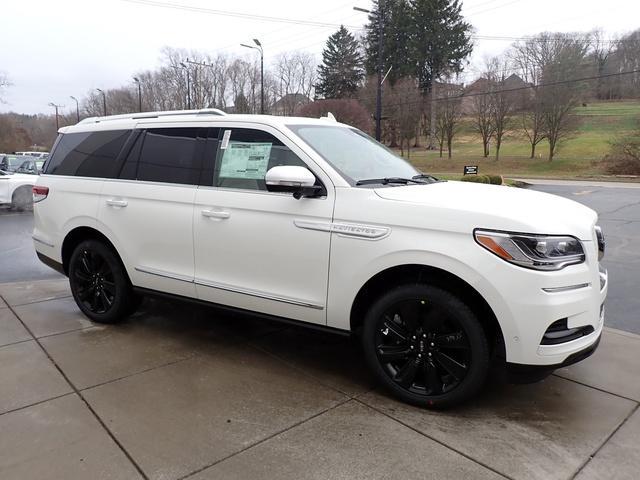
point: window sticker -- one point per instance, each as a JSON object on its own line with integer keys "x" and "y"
{"x": 225, "y": 139}
{"x": 245, "y": 160}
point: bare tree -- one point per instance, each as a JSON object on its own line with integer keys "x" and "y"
{"x": 560, "y": 92}
{"x": 403, "y": 111}
{"x": 551, "y": 62}
{"x": 483, "y": 118}
{"x": 532, "y": 118}
{"x": 448, "y": 117}
{"x": 626, "y": 58}
{"x": 600, "y": 50}
{"x": 295, "y": 74}
{"x": 503, "y": 101}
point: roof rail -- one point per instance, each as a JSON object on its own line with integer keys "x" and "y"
{"x": 143, "y": 115}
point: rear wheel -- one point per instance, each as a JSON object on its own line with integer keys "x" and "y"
{"x": 426, "y": 346}
{"x": 99, "y": 283}
{"x": 22, "y": 199}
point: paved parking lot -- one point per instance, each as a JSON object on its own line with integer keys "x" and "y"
{"x": 187, "y": 392}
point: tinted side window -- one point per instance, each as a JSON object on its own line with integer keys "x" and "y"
{"x": 245, "y": 155}
{"x": 88, "y": 154}
{"x": 171, "y": 155}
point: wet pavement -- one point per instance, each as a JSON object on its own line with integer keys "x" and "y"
{"x": 181, "y": 391}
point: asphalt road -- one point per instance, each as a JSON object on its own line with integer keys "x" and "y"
{"x": 18, "y": 259}
{"x": 618, "y": 207}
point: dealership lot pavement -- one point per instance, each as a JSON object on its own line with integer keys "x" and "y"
{"x": 181, "y": 391}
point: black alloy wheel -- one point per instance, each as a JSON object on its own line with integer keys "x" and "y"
{"x": 99, "y": 283}
{"x": 426, "y": 346}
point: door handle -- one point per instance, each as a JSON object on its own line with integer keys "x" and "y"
{"x": 219, "y": 214}
{"x": 117, "y": 203}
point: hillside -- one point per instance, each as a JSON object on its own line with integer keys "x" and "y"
{"x": 579, "y": 156}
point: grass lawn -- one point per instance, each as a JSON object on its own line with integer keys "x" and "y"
{"x": 579, "y": 156}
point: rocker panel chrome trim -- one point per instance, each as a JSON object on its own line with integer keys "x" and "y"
{"x": 258, "y": 294}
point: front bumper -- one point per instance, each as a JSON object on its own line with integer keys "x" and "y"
{"x": 519, "y": 373}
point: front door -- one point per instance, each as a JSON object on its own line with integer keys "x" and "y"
{"x": 252, "y": 249}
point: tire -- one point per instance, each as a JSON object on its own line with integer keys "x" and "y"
{"x": 425, "y": 346}
{"x": 22, "y": 199}
{"x": 99, "y": 283}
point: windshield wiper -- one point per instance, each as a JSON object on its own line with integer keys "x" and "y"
{"x": 388, "y": 180}
{"x": 425, "y": 176}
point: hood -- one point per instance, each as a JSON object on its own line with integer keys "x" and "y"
{"x": 475, "y": 205}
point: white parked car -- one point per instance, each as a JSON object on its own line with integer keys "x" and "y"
{"x": 15, "y": 190}
{"x": 34, "y": 154}
{"x": 312, "y": 221}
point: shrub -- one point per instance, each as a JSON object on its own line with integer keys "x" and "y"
{"x": 476, "y": 179}
{"x": 492, "y": 179}
{"x": 624, "y": 156}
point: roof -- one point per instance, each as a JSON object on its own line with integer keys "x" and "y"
{"x": 292, "y": 98}
{"x": 210, "y": 116}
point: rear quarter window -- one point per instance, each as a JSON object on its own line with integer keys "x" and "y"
{"x": 88, "y": 154}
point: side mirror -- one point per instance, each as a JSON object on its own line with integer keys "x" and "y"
{"x": 294, "y": 179}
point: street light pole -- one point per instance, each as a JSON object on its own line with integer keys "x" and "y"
{"x": 379, "y": 66}
{"x": 188, "y": 86}
{"x": 77, "y": 108}
{"x": 51, "y": 104}
{"x": 104, "y": 101}
{"x": 137, "y": 80}
{"x": 259, "y": 48}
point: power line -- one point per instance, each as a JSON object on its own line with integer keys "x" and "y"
{"x": 229, "y": 13}
{"x": 515, "y": 89}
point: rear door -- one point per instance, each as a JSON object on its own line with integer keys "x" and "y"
{"x": 149, "y": 208}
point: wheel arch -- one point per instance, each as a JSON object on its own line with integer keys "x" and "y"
{"x": 417, "y": 273}
{"x": 77, "y": 235}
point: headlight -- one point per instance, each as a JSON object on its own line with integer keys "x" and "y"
{"x": 540, "y": 252}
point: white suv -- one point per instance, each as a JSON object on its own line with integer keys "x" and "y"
{"x": 309, "y": 220}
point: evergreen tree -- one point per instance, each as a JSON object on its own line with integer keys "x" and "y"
{"x": 397, "y": 32}
{"x": 441, "y": 41}
{"x": 342, "y": 70}
{"x": 422, "y": 38}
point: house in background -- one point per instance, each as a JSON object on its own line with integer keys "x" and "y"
{"x": 289, "y": 104}
{"x": 481, "y": 85}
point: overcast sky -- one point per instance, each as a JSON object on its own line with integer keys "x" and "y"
{"x": 53, "y": 49}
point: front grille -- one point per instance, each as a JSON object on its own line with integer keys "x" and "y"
{"x": 558, "y": 332}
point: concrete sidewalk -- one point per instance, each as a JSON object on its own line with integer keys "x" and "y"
{"x": 187, "y": 392}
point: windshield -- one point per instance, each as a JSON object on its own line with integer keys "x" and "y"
{"x": 353, "y": 153}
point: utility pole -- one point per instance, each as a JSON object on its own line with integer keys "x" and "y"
{"x": 51, "y": 104}
{"x": 137, "y": 80}
{"x": 201, "y": 64}
{"x": 379, "y": 66}
{"x": 77, "y": 107}
{"x": 258, "y": 47}
{"x": 104, "y": 101}
{"x": 186, "y": 69}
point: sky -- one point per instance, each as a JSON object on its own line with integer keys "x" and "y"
{"x": 53, "y": 49}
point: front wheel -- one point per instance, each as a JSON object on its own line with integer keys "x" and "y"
{"x": 426, "y": 346}
{"x": 99, "y": 283}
